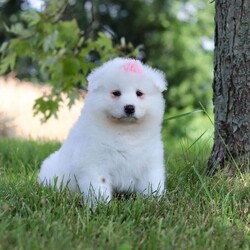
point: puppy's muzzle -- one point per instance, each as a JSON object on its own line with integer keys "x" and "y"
{"x": 129, "y": 110}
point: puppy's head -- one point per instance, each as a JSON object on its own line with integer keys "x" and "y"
{"x": 125, "y": 90}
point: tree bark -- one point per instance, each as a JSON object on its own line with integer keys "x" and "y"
{"x": 231, "y": 86}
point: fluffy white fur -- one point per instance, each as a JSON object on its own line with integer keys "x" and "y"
{"x": 108, "y": 149}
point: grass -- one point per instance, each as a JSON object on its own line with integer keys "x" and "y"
{"x": 198, "y": 212}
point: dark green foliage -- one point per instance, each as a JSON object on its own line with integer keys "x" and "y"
{"x": 63, "y": 53}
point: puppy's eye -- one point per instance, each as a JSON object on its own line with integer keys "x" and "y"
{"x": 139, "y": 93}
{"x": 116, "y": 93}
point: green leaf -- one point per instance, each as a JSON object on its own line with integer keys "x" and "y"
{"x": 48, "y": 105}
{"x": 104, "y": 41}
{"x": 50, "y": 42}
{"x": 3, "y": 47}
{"x": 20, "y": 47}
{"x": 68, "y": 33}
{"x": 31, "y": 16}
{"x": 19, "y": 30}
{"x": 56, "y": 74}
{"x": 8, "y": 62}
{"x": 6, "y": 27}
{"x": 71, "y": 66}
{"x": 12, "y": 60}
{"x": 104, "y": 46}
{"x": 73, "y": 96}
{"x": 4, "y": 65}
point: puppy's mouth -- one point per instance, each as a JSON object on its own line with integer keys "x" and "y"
{"x": 125, "y": 118}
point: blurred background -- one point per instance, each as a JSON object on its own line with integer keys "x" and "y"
{"x": 174, "y": 36}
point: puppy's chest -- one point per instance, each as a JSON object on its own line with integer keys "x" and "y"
{"x": 125, "y": 175}
{"x": 126, "y": 160}
{"x": 125, "y": 167}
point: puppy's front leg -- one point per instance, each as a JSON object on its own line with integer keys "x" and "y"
{"x": 95, "y": 191}
{"x": 153, "y": 183}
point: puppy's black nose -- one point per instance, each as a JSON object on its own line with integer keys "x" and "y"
{"x": 129, "y": 109}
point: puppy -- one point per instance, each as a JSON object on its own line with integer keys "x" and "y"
{"x": 116, "y": 143}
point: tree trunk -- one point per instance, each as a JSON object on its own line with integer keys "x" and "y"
{"x": 231, "y": 86}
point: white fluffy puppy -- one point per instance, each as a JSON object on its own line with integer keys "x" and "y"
{"x": 116, "y": 143}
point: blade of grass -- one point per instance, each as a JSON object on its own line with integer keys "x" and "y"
{"x": 204, "y": 110}
{"x": 196, "y": 140}
{"x": 182, "y": 115}
{"x": 203, "y": 183}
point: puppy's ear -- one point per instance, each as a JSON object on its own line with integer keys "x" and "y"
{"x": 158, "y": 78}
{"x": 94, "y": 78}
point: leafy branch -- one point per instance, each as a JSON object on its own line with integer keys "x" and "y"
{"x": 64, "y": 53}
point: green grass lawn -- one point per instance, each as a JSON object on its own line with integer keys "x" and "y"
{"x": 198, "y": 212}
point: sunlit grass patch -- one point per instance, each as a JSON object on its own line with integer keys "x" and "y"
{"x": 198, "y": 211}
